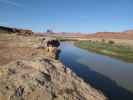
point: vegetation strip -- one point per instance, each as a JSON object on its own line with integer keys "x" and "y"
{"x": 111, "y": 49}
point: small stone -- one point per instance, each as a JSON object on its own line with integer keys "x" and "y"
{"x": 19, "y": 91}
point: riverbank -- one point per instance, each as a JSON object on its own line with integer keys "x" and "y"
{"x": 111, "y": 49}
{"x": 29, "y": 70}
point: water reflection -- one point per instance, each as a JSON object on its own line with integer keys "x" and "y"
{"x": 98, "y": 80}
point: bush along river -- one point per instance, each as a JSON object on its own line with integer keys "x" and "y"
{"x": 111, "y": 76}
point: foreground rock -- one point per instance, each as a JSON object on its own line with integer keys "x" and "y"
{"x": 32, "y": 74}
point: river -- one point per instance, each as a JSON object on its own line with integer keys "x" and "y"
{"x": 112, "y": 76}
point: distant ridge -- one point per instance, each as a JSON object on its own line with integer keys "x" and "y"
{"x": 115, "y": 35}
{"x": 9, "y": 30}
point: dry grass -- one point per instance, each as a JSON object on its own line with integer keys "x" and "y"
{"x": 17, "y": 47}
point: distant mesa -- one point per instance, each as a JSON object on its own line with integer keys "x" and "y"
{"x": 115, "y": 35}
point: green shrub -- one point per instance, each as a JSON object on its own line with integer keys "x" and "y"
{"x": 103, "y": 40}
{"x": 111, "y": 42}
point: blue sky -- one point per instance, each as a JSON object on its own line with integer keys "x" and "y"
{"x": 68, "y": 15}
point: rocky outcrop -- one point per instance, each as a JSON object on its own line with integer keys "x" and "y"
{"x": 15, "y": 30}
{"x": 7, "y": 29}
{"x": 24, "y": 32}
{"x": 51, "y": 46}
{"x": 49, "y": 42}
{"x": 31, "y": 74}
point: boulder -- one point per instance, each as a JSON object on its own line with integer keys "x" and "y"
{"x": 50, "y": 42}
{"x": 52, "y": 47}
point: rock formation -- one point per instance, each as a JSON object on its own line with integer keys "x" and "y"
{"x": 15, "y": 30}
{"x": 51, "y": 46}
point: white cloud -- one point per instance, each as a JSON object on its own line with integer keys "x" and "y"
{"x": 12, "y": 3}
